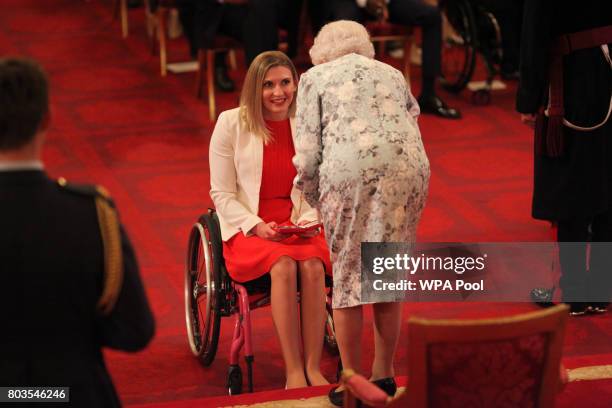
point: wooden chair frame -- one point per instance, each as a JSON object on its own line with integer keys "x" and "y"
{"x": 423, "y": 332}
{"x": 206, "y": 69}
{"x": 121, "y": 10}
{"x": 381, "y": 39}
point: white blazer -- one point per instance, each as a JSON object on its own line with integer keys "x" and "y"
{"x": 236, "y": 163}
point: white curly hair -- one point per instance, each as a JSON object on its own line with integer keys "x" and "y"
{"x": 340, "y": 38}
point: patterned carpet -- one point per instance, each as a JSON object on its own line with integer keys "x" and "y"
{"x": 116, "y": 122}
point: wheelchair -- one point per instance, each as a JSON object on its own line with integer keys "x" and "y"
{"x": 211, "y": 294}
{"x": 478, "y": 32}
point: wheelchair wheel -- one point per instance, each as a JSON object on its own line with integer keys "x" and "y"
{"x": 459, "y": 53}
{"x": 202, "y": 289}
{"x": 330, "y": 333}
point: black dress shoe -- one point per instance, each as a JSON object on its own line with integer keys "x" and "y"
{"x": 434, "y": 105}
{"x": 542, "y": 297}
{"x": 222, "y": 81}
{"x": 336, "y": 397}
{"x": 388, "y": 385}
{"x": 598, "y": 307}
{"x": 578, "y": 308}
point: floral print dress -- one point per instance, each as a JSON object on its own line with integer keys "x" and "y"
{"x": 360, "y": 161}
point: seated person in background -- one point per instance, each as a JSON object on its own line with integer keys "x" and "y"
{"x": 253, "y": 22}
{"x": 62, "y": 299}
{"x": 410, "y": 13}
{"x": 251, "y": 178}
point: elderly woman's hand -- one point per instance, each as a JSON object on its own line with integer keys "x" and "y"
{"x": 268, "y": 231}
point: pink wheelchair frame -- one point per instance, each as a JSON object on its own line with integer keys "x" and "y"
{"x": 210, "y": 294}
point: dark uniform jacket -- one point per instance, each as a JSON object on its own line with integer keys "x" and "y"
{"x": 51, "y": 277}
{"x": 578, "y": 184}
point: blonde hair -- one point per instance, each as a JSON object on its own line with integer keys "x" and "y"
{"x": 340, "y": 38}
{"x": 251, "y": 109}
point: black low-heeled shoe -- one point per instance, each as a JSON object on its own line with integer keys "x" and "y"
{"x": 542, "y": 297}
{"x": 336, "y": 397}
{"x": 222, "y": 80}
{"x": 433, "y": 104}
{"x": 388, "y": 385}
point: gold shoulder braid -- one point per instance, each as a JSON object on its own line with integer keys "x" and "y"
{"x": 111, "y": 240}
{"x": 113, "y": 257}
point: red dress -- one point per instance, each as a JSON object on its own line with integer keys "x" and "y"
{"x": 248, "y": 258}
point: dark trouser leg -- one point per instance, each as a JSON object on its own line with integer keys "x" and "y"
{"x": 346, "y": 10}
{"x": 319, "y": 13}
{"x": 260, "y": 28}
{"x": 419, "y": 13}
{"x": 256, "y": 25}
{"x": 600, "y": 270}
{"x": 289, "y": 13}
{"x": 572, "y": 235}
{"x": 187, "y": 12}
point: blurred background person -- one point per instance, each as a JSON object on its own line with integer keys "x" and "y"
{"x": 253, "y": 22}
{"x": 509, "y": 15}
{"x": 572, "y": 168}
{"x": 62, "y": 298}
{"x": 361, "y": 162}
{"x": 420, "y": 13}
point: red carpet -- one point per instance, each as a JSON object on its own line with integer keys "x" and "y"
{"x": 118, "y": 123}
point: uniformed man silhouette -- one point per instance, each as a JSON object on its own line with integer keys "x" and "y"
{"x": 69, "y": 281}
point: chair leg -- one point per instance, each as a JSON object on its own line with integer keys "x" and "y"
{"x": 407, "y": 54}
{"x": 162, "y": 14}
{"x": 124, "y": 18}
{"x": 381, "y": 48}
{"x": 232, "y": 60}
{"x": 210, "y": 67}
{"x": 200, "y": 73}
{"x": 148, "y": 18}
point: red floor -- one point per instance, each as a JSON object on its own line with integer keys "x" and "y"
{"x": 116, "y": 122}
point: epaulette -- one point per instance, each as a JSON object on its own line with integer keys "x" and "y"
{"x": 111, "y": 240}
{"x": 89, "y": 190}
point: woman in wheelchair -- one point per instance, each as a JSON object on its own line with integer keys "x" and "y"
{"x": 251, "y": 177}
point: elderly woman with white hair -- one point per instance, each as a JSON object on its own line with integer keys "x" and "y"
{"x": 361, "y": 162}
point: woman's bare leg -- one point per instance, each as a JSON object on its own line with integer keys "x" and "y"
{"x": 387, "y": 324}
{"x": 285, "y": 316}
{"x": 313, "y": 316}
{"x": 348, "y": 323}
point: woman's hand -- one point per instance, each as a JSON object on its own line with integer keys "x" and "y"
{"x": 267, "y": 231}
{"x": 308, "y": 234}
